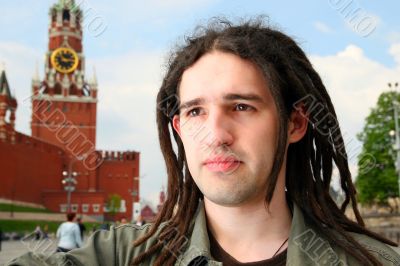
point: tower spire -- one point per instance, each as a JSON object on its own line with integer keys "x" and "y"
{"x": 94, "y": 78}
{"x": 36, "y": 77}
{"x": 66, "y": 3}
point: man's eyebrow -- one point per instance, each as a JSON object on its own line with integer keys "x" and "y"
{"x": 227, "y": 97}
{"x": 188, "y": 104}
{"x": 244, "y": 96}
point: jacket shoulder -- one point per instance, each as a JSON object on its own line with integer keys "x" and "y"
{"x": 388, "y": 255}
{"x": 104, "y": 247}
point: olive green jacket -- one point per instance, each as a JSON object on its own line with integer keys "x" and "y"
{"x": 114, "y": 247}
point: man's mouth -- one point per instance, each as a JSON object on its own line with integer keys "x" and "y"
{"x": 222, "y": 164}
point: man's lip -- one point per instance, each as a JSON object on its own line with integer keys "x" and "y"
{"x": 221, "y": 160}
{"x": 222, "y": 165}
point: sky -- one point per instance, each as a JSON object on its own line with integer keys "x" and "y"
{"x": 353, "y": 44}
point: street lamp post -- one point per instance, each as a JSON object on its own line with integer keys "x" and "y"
{"x": 69, "y": 181}
{"x": 396, "y": 133}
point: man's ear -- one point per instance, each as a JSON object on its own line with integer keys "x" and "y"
{"x": 298, "y": 124}
{"x": 176, "y": 123}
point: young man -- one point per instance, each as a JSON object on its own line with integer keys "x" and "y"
{"x": 249, "y": 161}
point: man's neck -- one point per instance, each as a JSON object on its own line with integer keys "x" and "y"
{"x": 250, "y": 232}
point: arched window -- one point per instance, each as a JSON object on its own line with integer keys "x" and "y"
{"x": 8, "y": 115}
{"x": 73, "y": 90}
{"x": 57, "y": 89}
{"x": 66, "y": 15}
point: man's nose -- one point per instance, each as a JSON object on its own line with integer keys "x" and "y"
{"x": 218, "y": 129}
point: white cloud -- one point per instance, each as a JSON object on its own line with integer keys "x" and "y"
{"x": 128, "y": 85}
{"x": 355, "y": 82}
{"x": 322, "y": 27}
{"x": 19, "y": 61}
{"x": 395, "y": 52}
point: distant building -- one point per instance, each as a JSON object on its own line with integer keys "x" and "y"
{"x": 63, "y": 140}
{"x": 161, "y": 200}
{"x": 147, "y": 212}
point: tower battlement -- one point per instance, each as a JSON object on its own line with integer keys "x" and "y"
{"x": 37, "y": 144}
{"x": 119, "y": 155}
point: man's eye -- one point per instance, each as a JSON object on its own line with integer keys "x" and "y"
{"x": 242, "y": 107}
{"x": 194, "y": 112}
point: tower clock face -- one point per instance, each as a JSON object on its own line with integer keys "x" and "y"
{"x": 64, "y": 60}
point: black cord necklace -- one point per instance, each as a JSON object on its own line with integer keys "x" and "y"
{"x": 284, "y": 242}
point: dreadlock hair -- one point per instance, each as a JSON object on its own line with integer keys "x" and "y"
{"x": 291, "y": 78}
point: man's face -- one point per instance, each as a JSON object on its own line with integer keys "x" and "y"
{"x": 228, "y": 124}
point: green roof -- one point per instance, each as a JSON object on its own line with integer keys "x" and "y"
{"x": 4, "y": 87}
{"x": 66, "y": 4}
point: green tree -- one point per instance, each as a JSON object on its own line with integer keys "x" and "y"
{"x": 113, "y": 203}
{"x": 375, "y": 184}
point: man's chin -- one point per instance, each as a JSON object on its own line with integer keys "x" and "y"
{"x": 227, "y": 199}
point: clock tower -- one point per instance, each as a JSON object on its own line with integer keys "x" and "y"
{"x": 64, "y": 102}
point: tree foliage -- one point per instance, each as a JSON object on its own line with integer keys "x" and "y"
{"x": 113, "y": 204}
{"x": 379, "y": 182}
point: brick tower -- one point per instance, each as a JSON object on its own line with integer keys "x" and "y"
{"x": 64, "y": 103}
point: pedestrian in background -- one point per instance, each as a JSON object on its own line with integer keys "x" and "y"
{"x": 45, "y": 231}
{"x": 140, "y": 221}
{"x": 38, "y": 232}
{"x": 82, "y": 227}
{"x": 68, "y": 234}
{"x": 124, "y": 220}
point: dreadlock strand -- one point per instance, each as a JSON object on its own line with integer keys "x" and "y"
{"x": 325, "y": 196}
{"x": 142, "y": 257}
{"x": 168, "y": 236}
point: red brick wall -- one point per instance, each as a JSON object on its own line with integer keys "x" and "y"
{"x": 31, "y": 171}
{"x": 28, "y": 167}
{"x": 116, "y": 176}
{"x": 65, "y": 124}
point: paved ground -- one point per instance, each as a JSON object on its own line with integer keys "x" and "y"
{"x": 12, "y": 249}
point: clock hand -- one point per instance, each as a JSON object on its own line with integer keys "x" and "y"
{"x": 67, "y": 60}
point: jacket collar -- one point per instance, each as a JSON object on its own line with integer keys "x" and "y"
{"x": 302, "y": 238}
{"x": 199, "y": 244}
